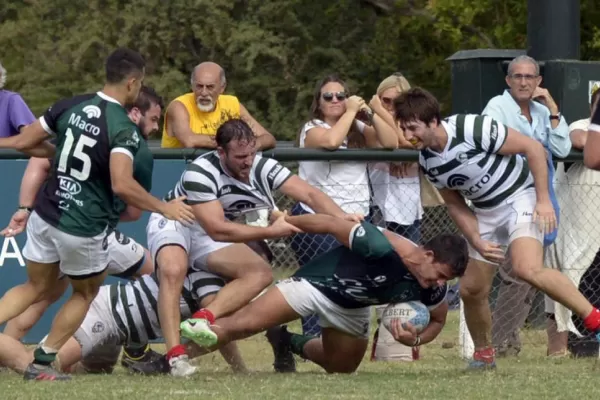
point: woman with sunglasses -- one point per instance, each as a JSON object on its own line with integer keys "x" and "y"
{"x": 334, "y": 125}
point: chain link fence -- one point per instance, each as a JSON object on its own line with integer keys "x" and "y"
{"x": 519, "y": 311}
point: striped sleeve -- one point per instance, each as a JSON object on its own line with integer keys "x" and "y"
{"x": 276, "y": 174}
{"x": 487, "y": 133}
{"x": 202, "y": 284}
{"x": 595, "y": 121}
{"x": 200, "y": 186}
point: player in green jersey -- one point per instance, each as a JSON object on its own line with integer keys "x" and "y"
{"x": 96, "y": 143}
{"x": 127, "y": 259}
{"x": 373, "y": 266}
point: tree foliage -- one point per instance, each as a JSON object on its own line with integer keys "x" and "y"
{"x": 273, "y": 51}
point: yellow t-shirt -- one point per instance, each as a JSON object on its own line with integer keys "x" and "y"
{"x": 203, "y": 123}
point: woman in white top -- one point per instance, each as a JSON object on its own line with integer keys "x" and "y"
{"x": 396, "y": 188}
{"x": 334, "y": 125}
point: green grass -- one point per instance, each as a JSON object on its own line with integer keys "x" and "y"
{"x": 438, "y": 375}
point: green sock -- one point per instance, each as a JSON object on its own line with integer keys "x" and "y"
{"x": 40, "y": 357}
{"x": 298, "y": 342}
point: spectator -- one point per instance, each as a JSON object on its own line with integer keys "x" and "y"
{"x": 531, "y": 110}
{"x": 396, "y": 190}
{"x": 396, "y": 194}
{"x": 192, "y": 120}
{"x": 576, "y": 247}
{"x": 14, "y": 113}
{"x": 334, "y": 125}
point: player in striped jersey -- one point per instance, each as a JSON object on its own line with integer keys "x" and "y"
{"x": 121, "y": 314}
{"x": 504, "y": 175}
{"x": 219, "y": 186}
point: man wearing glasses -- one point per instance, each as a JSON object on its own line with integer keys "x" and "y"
{"x": 530, "y": 109}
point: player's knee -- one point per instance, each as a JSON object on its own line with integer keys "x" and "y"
{"x": 172, "y": 269}
{"x": 525, "y": 273}
{"x": 473, "y": 291}
{"x": 341, "y": 368}
{"x": 261, "y": 275}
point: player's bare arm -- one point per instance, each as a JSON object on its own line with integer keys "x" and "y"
{"x": 178, "y": 126}
{"x": 591, "y": 153}
{"x": 35, "y": 174}
{"x": 466, "y": 221}
{"x": 130, "y": 214}
{"x": 131, "y": 192}
{"x": 43, "y": 150}
{"x": 211, "y": 217}
{"x": 408, "y": 336}
{"x": 323, "y": 224}
{"x": 517, "y": 143}
{"x": 301, "y": 191}
{"x": 264, "y": 140}
{"x": 31, "y": 136}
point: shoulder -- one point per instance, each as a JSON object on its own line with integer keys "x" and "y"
{"x": 228, "y": 99}
{"x": 581, "y": 124}
{"x": 183, "y": 101}
{"x": 315, "y": 123}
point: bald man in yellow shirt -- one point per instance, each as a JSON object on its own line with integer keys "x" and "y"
{"x": 192, "y": 119}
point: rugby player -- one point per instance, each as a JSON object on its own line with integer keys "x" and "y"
{"x": 374, "y": 266}
{"x": 121, "y": 314}
{"x": 96, "y": 143}
{"x": 218, "y": 186}
{"x": 504, "y": 175}
{"x": 127, "y": 258}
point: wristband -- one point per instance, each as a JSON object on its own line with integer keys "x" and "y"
{"x": 417, "y": 341}
{"x": 23, "y": 208}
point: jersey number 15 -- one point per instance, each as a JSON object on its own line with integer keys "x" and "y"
{"x": 79, "y": 153}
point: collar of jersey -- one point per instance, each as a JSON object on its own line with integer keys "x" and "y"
{"x": 108, "y": 98}
{"x": 510, "y": 102}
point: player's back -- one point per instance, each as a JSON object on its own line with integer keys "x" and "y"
{"x": 77, "y": 198}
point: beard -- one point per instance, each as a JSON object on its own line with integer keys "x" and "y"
{"x": 205, "y": 108}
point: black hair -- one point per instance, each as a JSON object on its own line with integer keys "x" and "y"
{"x": 450, "y": 249}
{"x": 123, "y": 63}
{"x": 146, "y": 99}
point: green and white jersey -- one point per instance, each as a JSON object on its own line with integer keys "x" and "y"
{"x": 77, "y": 197}
{"x": 206, "y": 179}
{"x": 370, "y": 272}
{"x": 134, "y": 305}
{"x": 470, "y": 163}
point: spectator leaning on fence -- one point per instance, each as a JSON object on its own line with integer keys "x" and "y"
{"x": 396, "y": 193}
{"x": 578, "y": 242}
{"x": 591, "y": 149}
{"x": 334, "y": 125}
{"x": 192, "y": 119}
{"x": 531, "y": 110}
{"x": 14, "y": 113}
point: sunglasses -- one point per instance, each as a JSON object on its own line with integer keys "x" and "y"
{"x": 328, "y": 96}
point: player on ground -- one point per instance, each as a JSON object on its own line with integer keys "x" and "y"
{"x": 96, "y": 143}
{"x": 218, "y": 186}
{"x": 374, "y": 266}
{"x": 476, "y": 158}
{"x": 127, "y": 259}
{"x": 122, "y": 314}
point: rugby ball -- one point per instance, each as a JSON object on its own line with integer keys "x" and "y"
{"x": 414, "y": 312}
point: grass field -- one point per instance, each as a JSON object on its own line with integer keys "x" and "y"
{"x": 438, "y": 375}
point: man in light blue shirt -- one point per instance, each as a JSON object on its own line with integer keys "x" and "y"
{"x": 531, "y": 110}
